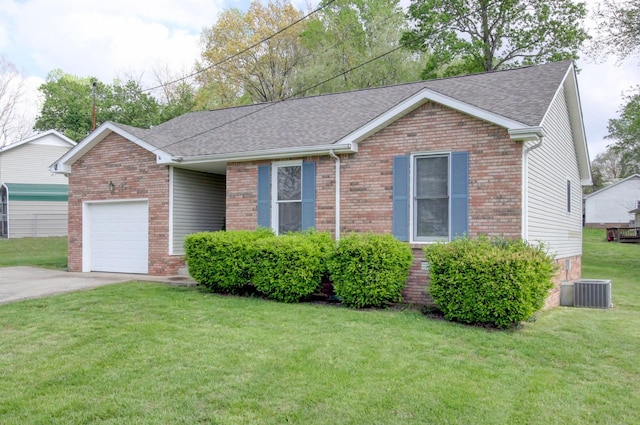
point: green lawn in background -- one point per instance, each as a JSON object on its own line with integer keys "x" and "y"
{"x": 50, "y": 253}
{"x": 143, "y": 353}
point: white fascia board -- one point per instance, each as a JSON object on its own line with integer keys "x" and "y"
{"x": 63, "y": 165}
{"x": 570, "y": 87}
{"x": 265, "y": 154}
{"x": 417, "y": 100}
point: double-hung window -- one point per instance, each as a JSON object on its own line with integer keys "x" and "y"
{"x": 287, "y": 196}
{"x": 287, "y": 186}
{"x": 430, "y": 196}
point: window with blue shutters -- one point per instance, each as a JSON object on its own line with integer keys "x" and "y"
{"x": 286, "y": 196}
{"x": 431, "y": 197}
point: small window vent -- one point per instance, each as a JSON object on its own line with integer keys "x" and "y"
{"x": 593, "y": 293}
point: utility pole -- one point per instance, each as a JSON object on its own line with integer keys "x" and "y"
{"x": 93, "y": 114}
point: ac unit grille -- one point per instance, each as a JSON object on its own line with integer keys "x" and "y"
{"x": 593, "y": 293}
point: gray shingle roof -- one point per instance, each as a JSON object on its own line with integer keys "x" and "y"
{"x": 522, "y": 95}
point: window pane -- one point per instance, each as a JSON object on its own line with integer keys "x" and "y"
{"x": 289, "y": 183}
{"x": 289, "y": 217}
{"x": 432, "y": 175}
{"x": 432, "y": 218}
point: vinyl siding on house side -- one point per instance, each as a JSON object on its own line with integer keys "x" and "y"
{"x": 198, "y": 205}
{"x": 30, "y": 163}
{"x": 37, "y": 219}
{"x": 549, "y": 168}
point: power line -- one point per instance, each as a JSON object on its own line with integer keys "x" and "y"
{"x": 280, "y": 31}
{"x": 268, "y": 105}
{"x": 344, "y": 72}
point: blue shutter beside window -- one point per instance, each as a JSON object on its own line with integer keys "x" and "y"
{"x": 400, "y": 221}
{"x": 308, "y": 195}
{"x": 264, "y": 196}
{"x": 459, "y": 194}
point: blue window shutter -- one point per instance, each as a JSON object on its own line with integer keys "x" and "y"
{"x": 264, "y": 196}
{"x": 459, "y": 194}
{"x": 308, "y": 195}
{"x": 400, "y": 222}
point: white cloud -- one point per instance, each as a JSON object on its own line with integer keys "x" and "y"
{"x": 104, "y": 38}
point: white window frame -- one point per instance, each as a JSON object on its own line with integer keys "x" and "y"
{"x": 275, "y": 211}
{"x": 413, "y": 238}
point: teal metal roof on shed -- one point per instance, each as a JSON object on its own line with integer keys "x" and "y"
{"x": 37, "y": 192}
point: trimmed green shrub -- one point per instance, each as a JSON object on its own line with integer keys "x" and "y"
{"x": 221, "y": 261}
{"x": 290, "y": 267}
{"x": 496, "y": 282}
{"x": 370, "y": 270}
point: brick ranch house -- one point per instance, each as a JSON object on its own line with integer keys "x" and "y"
{"x": 500, "y": 153}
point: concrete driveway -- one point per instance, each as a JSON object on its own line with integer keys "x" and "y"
{"x": 20, "y": 283}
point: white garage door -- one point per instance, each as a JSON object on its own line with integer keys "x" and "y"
{"x": 119, "y": 237}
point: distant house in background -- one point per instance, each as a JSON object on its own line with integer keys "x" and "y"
{"x": 613, "y": 205}
{"x": 33, "y": 202}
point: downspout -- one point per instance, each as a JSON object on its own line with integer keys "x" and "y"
{"x": 525, "y": 188}
{"x": 337, "y": 158}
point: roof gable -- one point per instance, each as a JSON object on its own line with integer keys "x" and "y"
{"x": 604, "y": 189}
{"x": 63, "y": 140}
{"x": 63, "y": 164}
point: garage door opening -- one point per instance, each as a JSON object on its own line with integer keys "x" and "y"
{"x": 116, "y": 237}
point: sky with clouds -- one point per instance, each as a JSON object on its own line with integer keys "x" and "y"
{"x": 133, "y": 37}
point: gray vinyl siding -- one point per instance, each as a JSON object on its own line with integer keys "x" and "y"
{"x": 199, "y": 202}
{"x": 30, "y": 163}
{"x": 36, "y": 219}
{"x": 549, "y": 168}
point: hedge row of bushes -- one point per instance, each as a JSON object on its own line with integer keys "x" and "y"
{"x": 367, "y": 270}
{"x": 496, "y": 282}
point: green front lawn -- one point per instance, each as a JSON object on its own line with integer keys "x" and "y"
{"x": 141, "y": 353}
{"x": 50, "y": 253}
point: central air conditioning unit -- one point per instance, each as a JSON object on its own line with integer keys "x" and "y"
{"x": 592, "y": 293}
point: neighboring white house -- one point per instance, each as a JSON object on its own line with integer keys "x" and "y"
{"x": 612, "y": 206}
{"x": 33, "y": 202}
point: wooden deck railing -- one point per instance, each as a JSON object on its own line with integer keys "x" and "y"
{"x": 623, "y": 234}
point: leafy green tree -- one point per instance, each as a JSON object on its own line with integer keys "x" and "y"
{"x": 466, "y": 36}
{"x": 625, "y": 131}
{"x": 348, "y": 33}
{"x": 68, "y": 104}
{"x": 234, "y": 72}
{"x": 128, "y": 104}
{"x": 618, "y": 30}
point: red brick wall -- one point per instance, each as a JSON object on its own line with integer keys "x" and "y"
{"x": 564, "y": 275}
{"x": 495, "y": 177}
{"x": 495, "y": 180}
{"x": 134, "y": 172}
{"x": 242, "y": 194}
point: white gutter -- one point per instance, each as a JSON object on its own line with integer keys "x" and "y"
{"x": 265, "y": 154}
{"x": 337, "y": 158}
{"x": 525, "y": 187}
